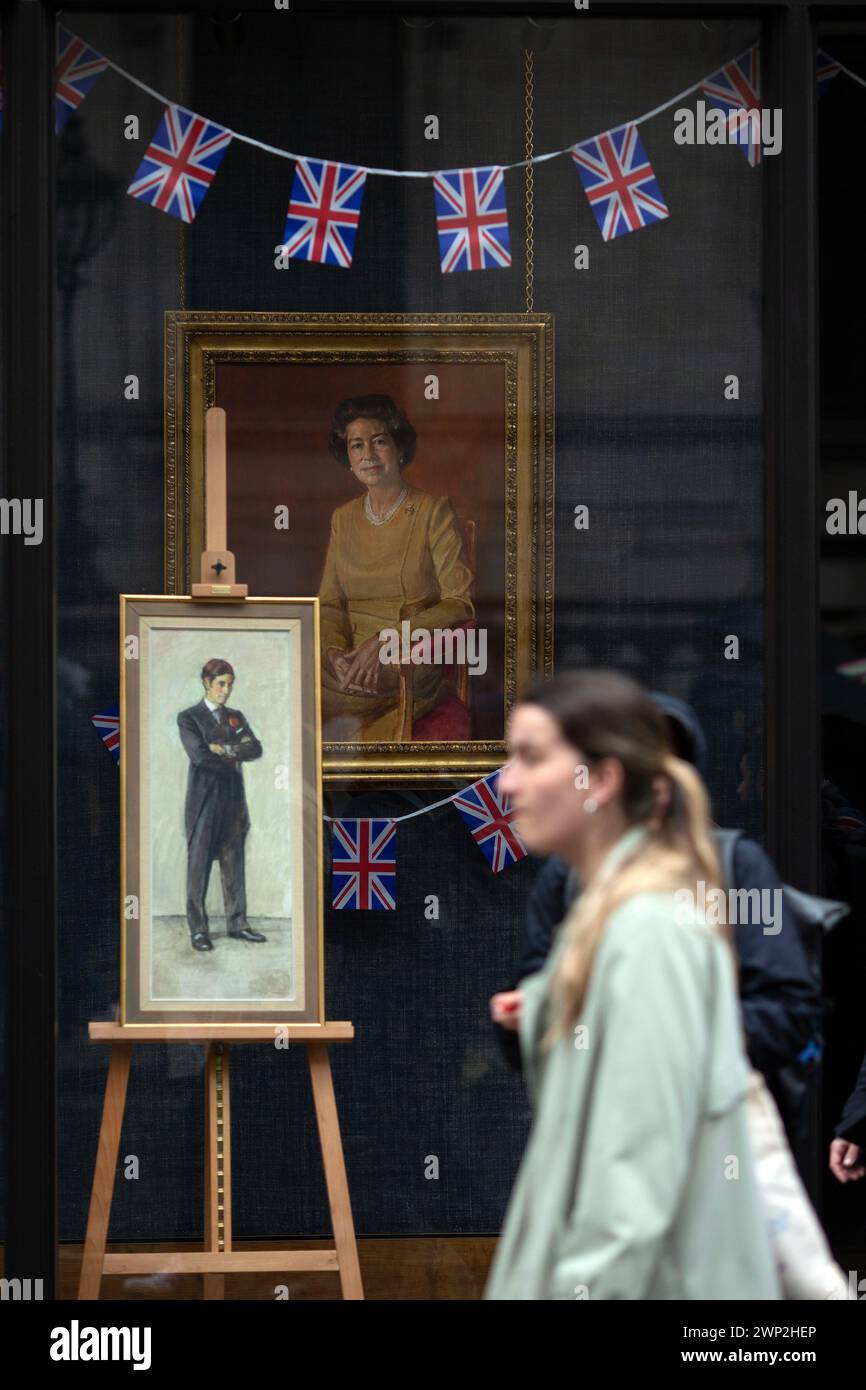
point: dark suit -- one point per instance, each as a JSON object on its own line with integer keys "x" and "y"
{"x": 217, "y": 819}
{"x": 852, "y": 1125}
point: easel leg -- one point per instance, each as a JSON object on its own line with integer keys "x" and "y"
{"x": 217, "y": 1162}
{"x": 335, "y": 1169}
{"x": 102, "y": 1191}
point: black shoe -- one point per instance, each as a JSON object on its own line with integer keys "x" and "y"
{"x": 247, "y": 934}
{"x": 202, "y": 942}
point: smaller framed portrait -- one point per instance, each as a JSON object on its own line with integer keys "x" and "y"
{"x": 221, "y": 811}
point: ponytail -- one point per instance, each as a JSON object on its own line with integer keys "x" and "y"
{"x": 677, "y": 852}
{"x": 685, "y": 822}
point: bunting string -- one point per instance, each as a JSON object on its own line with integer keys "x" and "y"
{"x": 373, "y": 169}
{"x": 422, "y": 810}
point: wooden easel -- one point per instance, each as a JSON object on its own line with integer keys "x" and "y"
{"x": 217, "y": 575}
{"x": 217, "y": 1258}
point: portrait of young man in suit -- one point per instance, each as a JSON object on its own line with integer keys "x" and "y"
{"x": 218, "y": 741}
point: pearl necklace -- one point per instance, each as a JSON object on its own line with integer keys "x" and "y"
{"x": 380, "y": 520}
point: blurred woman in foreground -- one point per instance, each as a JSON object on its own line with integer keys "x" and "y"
{"x": 638, "y": 1180}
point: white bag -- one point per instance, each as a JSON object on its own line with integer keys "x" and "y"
{"x": 804, "y": 1260}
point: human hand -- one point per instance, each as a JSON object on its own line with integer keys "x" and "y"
{"x": 846, "y": 1164}
{"x": 218, "y": 748}
{"x": 365, "y": 669}
{"x": 505, "y": 1009}
{"x": 338, "y": 662}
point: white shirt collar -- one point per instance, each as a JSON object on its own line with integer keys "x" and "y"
{"x": 215, "y": 709}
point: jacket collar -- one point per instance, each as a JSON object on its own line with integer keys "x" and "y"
{"x": 207, "y": 712}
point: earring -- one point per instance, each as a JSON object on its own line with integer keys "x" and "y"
{"x": 590, "y": 805}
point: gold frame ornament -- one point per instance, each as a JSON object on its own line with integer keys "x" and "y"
{"x": 521, "y": 345}
{"x": 161, "y": 640}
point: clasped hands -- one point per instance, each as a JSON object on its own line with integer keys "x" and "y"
{"x": 360, "y": 671}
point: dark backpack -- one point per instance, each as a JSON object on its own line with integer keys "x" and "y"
{"x": 813, "y": 915}
{"x": 791, "y": 1085}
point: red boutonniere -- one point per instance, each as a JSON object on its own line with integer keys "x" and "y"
{"x": 233, "y": 722}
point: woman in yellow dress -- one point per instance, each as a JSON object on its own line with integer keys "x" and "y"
{"x": 394, "y": 553}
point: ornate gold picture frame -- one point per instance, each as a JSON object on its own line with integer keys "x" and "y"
{"x": 472, "y": 537}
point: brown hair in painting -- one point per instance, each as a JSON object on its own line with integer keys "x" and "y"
{"x": 372, "y": 408}
{"x": 216, "y": 667}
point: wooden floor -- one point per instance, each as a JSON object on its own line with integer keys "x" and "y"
{"x": 423, "y": 1267}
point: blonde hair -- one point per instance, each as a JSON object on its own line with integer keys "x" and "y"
{"x": 603, "y": 714}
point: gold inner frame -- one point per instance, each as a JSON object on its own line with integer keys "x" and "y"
{"x": 196, "y": 342}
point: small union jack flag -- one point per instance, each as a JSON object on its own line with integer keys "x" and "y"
{"x": 619, "y": 182}
{"x": 364, "y": 866}
{"x": 324, "y": 211}
{"x": 488, "y": 814}
{"x": 77, "y": 69}
{"x": 736, "y": 88}
{"x": 107, "y": 725}
{"x": 180, "y": 163}
{"x": 827, "y": 69}
{"x": 471, "y": 219}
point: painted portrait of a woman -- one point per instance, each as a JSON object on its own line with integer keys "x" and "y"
{"x": 394, "y": 553}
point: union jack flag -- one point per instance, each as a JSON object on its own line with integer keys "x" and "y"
{"x": 471, "y": 219}
{"x": 619, "y": 182}
{"x": 488, "y": 814}
{"x": 364, "y": 866}
{"x": 107, "y": 725}
{"x": 77, "y": 69}
{"x": 180, "y": 163}
{"x": 324, "y": 211}
{"x": 735, "y": 88}
{"x": 827, "y": 68}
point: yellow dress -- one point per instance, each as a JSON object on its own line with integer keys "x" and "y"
{"x": 411, "y": 566}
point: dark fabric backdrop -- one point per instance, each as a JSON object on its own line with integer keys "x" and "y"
{"x": 672, "y": 562}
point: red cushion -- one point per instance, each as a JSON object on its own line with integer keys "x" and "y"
{"x": 448, "y": 721}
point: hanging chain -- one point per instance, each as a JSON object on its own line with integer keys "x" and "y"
{"x": 529, "y": 128}
{"x": 180, "y": 32}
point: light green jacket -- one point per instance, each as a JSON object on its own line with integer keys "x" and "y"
{"x": 638, "y": 1181}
